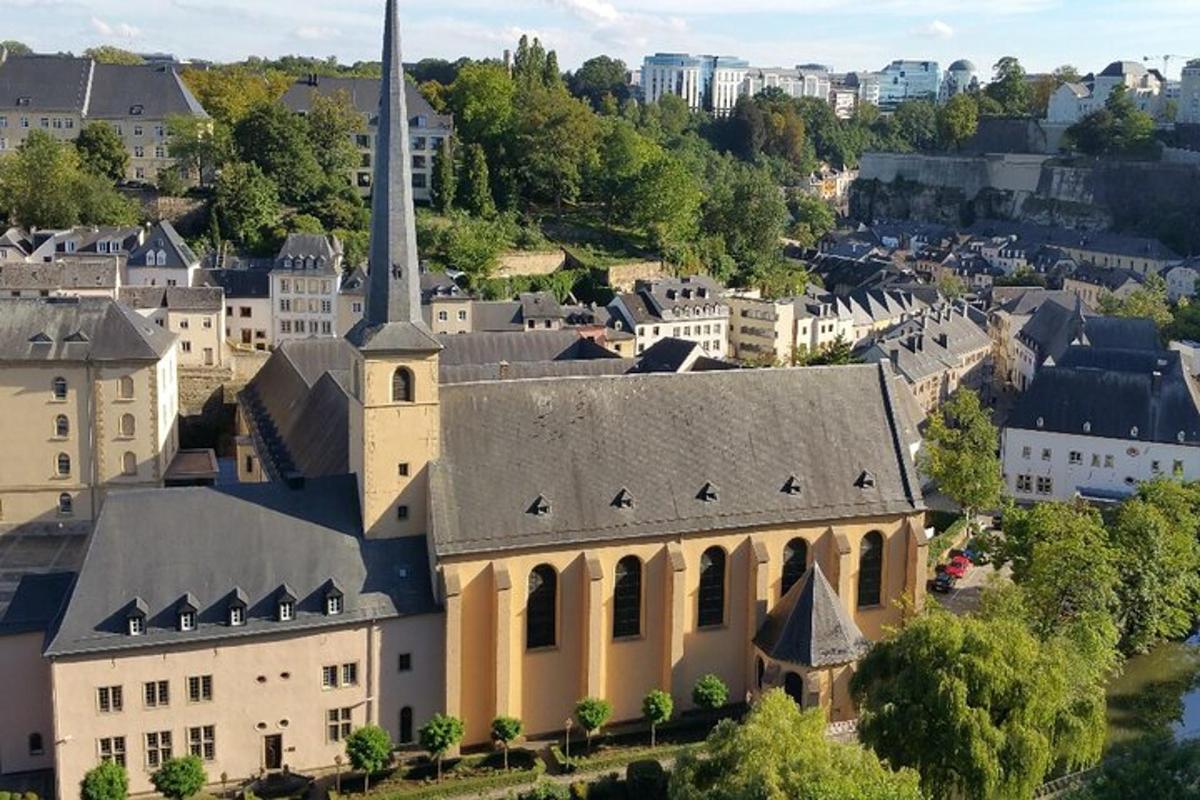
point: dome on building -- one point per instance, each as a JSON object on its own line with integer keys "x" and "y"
{"x": 1118, "y": 68}
{"x": 962, "y": 65}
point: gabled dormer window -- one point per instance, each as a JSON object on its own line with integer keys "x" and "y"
{"x": 334, "y": 599}
{"x": 707, "y": 493}
{"x": 187, "y": 620}
{"x": 624, "y": 499}
{"x": 792, "y": 486}
{"x": 540, "y": 507}
{"x": 135, "y": 619}
{"x": 287, "y": 610}
{"x": 237, "y": 615}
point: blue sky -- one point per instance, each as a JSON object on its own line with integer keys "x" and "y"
{"x": 847, "y": 34}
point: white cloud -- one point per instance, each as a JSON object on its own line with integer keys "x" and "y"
{"x": 934, "y": 30}
{"x": 120, "y": 29}
{"x": 317, "y": 33}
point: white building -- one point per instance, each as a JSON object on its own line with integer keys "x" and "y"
{"x": 1181, "y": 279}
{"x": 249, "y": 321}
{"x": 304, "y": 287}
{"x": 1072, "y": 102}
{"x": 961, "y": 77}
{"x": 1098, "y": 424}
{"x": 689, "y": 308}
{"x": 810, "y": 80}
{"x": 908, "y": 80}
{"x": 1189, "y": 94}
{"x": 163, "y": 259}
{"x": 706, "y": 83}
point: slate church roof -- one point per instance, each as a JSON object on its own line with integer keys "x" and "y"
{"x": 578, "y": 441}
{"x": 810, "y": 627}
{"x": 260, "y": 539}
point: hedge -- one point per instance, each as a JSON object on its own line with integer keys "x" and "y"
{"x": 450, "y": 787}
{"x": 618, "y": 757}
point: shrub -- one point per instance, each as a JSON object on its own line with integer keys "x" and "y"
{"x": 180, "y": 778}
{"x": 609, "y": 787}
{"x": 546, "y": 790}
{"x": 710, "y": 693}
{"x": 592, "y": 713}
{"x": 579, "y": 790}
{"x": 439, "y": 735}
{"x": 646, "y": 780}
{"x": 657, "y": 708}
{"x": 105, "y": 781}
{"x": 504, "y": 731}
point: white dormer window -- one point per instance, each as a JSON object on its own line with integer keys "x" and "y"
{"x": 287, "y": 610}
{"x": 187, "y": 620}
{"x": 237, "y": 616}
{"x": 137, "y": 625}
{"x": 333, "y": 605}
{"x": 162, "y": 258}
{"x": 70, "y": 246}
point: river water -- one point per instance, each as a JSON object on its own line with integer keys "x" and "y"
{"x": 1156, "y": 692}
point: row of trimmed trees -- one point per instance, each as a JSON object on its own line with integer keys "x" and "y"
{"x": 177, "y": 779}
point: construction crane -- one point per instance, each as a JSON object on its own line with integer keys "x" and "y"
{"x": 1166, "y": 60}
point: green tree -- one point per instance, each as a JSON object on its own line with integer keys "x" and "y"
{"x": 16, "y": 48}
{"x": 230, "y": 93}
{"x": 1157, "y": 766}
{"x": 505, "y": 730}
{"x": 440, "y": 735}
{"x": 198, "y": 144}
{"x": 1148, "y": 301}
{"x": 555, "y": 143}
{"x": 664, "y": 201}
{"x": 592, "y": 713}
{"x": 44, "y": 185}
{"x": 960, "y": 453}
{"x": 915, "y": 124}
{"x": 481, "y": 99}
{"x": 837, "y": 354}
{"x": 623, "y": 153}
{"x": 598, "y": 78}
{"x": 1157, "y": 555}
{"x": 105, "y": 781}
{"x": 332, "y": 123}
{"x": 475, "y": 193}
{"x": 107, "y": 54}
{"x": 180, "y": 778}
{"x": 710, "y": 693}
{"x": 170, "y": 182}
{"x": 369, "y": 749}
{"x": 247, "y": 203}
{"x": 276, "y": 140}
{"x": 1009, "y": 88}
{"x": 958, "y": 120}
{"x": 975, "y": 706}
{"x": 102, "y": 151}
{"x": 780, "y": 751}
{"x": 657, "y": 707}
{"x": 951, "y": 287}
{"x": 745, "y": 208}
{"x": 445, "y": 183}
{"x": 812, "y": 218}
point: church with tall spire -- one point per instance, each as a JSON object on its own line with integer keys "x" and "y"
{"x": 493, "y": 547}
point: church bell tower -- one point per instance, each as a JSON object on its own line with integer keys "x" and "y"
{"x": 394, "y": 418}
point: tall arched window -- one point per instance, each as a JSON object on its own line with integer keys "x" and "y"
{"x": 62, "y": 465}
{"x": 62, "y": 426}
{"x": 59, "y": 387}
{"x": 870, "y": 569}
{"x": 541, "y": 610}
{"x": 125, "y": 388}
{"x": 712, "y": 587}
{"x": 402, "y": 386}
{"x": 66, "y": 507}
{"x": 795, "y": 561}
{"x": 129, "y": 464}
{"x": 128, "y": 424}
{"x": 627, "y": 598}
{"x": 406, "y": 725}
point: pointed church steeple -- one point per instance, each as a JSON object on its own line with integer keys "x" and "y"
{"x": 392, "y": 320}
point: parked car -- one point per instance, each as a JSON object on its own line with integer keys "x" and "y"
{"x": 978, "y": 555}
{"x": 944, "y": 582}
{"x": 957, "y": 568}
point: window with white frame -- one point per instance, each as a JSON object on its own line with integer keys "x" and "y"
{"x": 338, "y": 724}
{"x": 156, "y": 693}
{"x": 111, "y": 748}
{"x": 1045, "y": 485}
{"x": 110, "y": 699}
{"x": 200, "y": 688}
{"x": 1024, "y": 483}
{"x": 158, "y": 748}
{"x": 1076, "y": 457}
{"x": 202, "y": 742}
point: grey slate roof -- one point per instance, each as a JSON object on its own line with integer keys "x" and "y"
{"x": 1053, "y": 328}
{"x": 76, "y": 273}
{"x": 493, "y": 348}
{"x": 254, "y": 537}
{"x": 364, "y": 94}
{"x": 158, "y": 89}
{"x": 52, "y": 83}
{"x": 810, "y": 627}
{"x": 1113, "y": 391}
{"x": 176, "y": 298}
{"x": 164, "y": 237}
{"x": 525, "y": 370}
{"x": 245, "y": 284}
{"x": 75, "y": 328}
{"x": 36, "y": 603}
{"x": 578, "y": 441}
{"x": 539, "y": 305}
{"x": 308, "y": 252}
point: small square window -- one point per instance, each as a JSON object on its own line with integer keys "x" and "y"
{"x": 1108, "y": 462}
{"x": 1046, "y": 454}
{"x": 403, "y": 469}
{"x": 401, "y": 512}
{"x": 405, "y": 662}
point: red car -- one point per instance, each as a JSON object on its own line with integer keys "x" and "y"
{"x": 958, "y": 566}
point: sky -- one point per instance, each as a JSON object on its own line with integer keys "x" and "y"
{"x": 845, "y": 34}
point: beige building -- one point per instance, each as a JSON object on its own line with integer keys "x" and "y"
{"x": 90, "y": 402}
{"x": 61, "y": 94}
{"x": 195, "y": 315}
{"x": 494, "y": 547}
{"x": 691, "y": 308}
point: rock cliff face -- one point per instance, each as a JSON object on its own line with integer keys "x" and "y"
{"x": 1148, "y": 198}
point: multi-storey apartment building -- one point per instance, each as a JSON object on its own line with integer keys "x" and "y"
{"x": 304, "y": 286}
{"x": 810, "y": 80}
{"x": 89, "y": 402}
{"x": 1072, "y": 102}
{"x": 427, "y": 128}
{"x": 60, "y": 94}
{"x": 195, "y": 315}
{"x": 249, "y": 317}
{"x": 162, "y": 258}
{"x": 689, "y": 308}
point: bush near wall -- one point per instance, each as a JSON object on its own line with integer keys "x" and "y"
{"x": 617, "y": 757}
{"x": 451, "y": 786}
